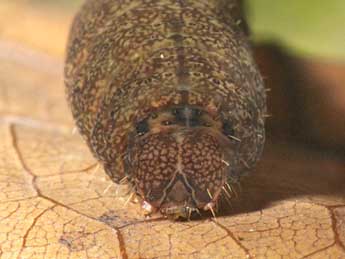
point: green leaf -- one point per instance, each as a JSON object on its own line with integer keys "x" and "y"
{"x": 307, "y": 27}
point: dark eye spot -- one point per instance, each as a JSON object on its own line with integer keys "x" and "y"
{"x": 148, "y": 80}
{"x": 154, "y": 115}
{"x": 142, "y": 127}
{"x": 176, "y": 112}
{"x": 216, "y": 81}
{"x": 197, "y": 112}
{"x": 228, "y": 129}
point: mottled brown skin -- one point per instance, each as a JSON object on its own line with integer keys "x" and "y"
{"x": 167, "y": 95}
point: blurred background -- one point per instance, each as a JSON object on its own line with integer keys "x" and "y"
{"x": 300, "y": 48}
{"x": 309, "y": 28}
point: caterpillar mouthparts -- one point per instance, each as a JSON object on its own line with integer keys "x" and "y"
{"x": 167, "y": 95}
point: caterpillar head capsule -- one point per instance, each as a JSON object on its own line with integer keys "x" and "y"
{"x": 179, "y": 160}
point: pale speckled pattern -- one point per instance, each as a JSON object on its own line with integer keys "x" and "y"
{"x": 127, "y": 59}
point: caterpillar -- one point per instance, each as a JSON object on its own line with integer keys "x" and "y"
{"x": 167, "y": 95}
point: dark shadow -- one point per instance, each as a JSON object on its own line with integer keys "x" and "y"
{"x": 296, "y": 163}
{"x": 288, "y": 172}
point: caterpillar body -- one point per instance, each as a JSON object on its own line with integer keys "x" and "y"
{"x": 167, "y": 95}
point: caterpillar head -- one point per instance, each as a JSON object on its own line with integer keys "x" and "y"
{"x": 180, "y": 159}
